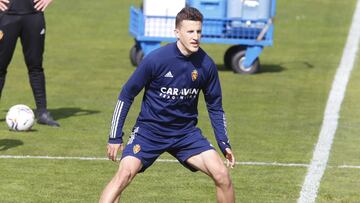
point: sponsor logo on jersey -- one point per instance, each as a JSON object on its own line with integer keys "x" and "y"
{"x": 194, "y": 75}
{"x": 136, "y": 148}
{"x": 176, "y": 93}
{"x": 1, "y": 34}
{"x": 169, "y": 75}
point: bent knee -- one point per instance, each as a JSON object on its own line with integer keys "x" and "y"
{"x": 222, "y": 177}
{"x": 124, "y": 176}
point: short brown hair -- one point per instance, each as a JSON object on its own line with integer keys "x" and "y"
{"x": 188, "y": 13}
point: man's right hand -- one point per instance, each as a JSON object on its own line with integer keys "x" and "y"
{"x": 112, "y": 150}
{"x": 3, "y": 5}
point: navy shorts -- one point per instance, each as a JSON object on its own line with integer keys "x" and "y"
{"x": 148, "y": 146}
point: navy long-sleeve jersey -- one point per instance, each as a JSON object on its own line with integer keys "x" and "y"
{"x": 172, "y": 85}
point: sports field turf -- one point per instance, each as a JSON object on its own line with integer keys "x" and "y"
{"x": 272, "y": 116}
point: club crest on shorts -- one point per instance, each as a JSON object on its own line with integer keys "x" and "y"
{"x": 136, "y": 148}
{"x": 1, "y": 34}
{"x": 194, "y": 75}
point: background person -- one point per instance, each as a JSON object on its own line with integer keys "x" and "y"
{"x": 172, "y": 76}
{"x": 25, "y": 19}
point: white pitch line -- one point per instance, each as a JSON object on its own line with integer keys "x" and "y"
{"x": 348, "y": 166}
{"x": 159, "y": 160}
{"x": 52, "y": 157}
{"x": 320, "y": 157}
{"x": 250, "y": 163}
{"x": 272, "y": 164}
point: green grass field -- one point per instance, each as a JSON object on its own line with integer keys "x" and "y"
{"x": 272, "y": 116}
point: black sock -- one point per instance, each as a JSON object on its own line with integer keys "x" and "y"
{"x": 37, "y": 82}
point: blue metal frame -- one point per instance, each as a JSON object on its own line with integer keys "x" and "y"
{"x": 254, "y": 34}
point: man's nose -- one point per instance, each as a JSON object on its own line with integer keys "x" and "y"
{"x": 196, "y": 35}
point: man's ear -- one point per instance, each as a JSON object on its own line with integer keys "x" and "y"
{"x": 176, "y": 32}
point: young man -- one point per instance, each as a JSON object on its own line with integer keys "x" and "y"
{"x": 172, "y": 76}
{"x": 25, "y": 19}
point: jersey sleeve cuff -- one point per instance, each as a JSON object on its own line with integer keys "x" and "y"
{"x": 223, "y": 146}
{"x": 115, "y": 140}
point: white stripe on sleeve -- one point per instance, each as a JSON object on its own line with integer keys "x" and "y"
{"x": 115, "y": 119}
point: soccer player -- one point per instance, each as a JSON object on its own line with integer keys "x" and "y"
{"x": 172, "y": 76}
{"x": 25, "y": 19}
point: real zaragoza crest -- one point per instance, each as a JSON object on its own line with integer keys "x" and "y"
{"x": 194, "y": 75}
{"x": 136, "y": 148}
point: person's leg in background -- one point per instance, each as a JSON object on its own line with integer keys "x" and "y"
{"x": 9, "y": 32}
{"x": 33, "y": 43}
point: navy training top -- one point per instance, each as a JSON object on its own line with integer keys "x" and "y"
{"x": 172, "y": 85}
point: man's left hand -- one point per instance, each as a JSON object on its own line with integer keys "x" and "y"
{"x": 41, "y": 5}
{"x": 230, "y": 158}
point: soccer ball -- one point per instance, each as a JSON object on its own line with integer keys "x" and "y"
{"x": 20, "y": 118}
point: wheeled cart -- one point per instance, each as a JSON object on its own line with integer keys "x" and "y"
{"x": 245, "y": 24}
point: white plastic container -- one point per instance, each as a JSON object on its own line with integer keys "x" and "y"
{"x": 161, "y": 27}
{"x": 163, "y": 7}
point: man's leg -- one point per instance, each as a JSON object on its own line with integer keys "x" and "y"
{"x": 33, "y": 39}
{"x": 9, "y": 32}
{"x": 128, "y": 168}
{"x": 210, "y": 163}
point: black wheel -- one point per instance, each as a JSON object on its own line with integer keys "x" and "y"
{"x": 139, "y": 56}
{"x": 136, "y": 55}
{"x": 229, "y": 54}
{"x": 133, "y": 51}
{"x": 236, "y": 64}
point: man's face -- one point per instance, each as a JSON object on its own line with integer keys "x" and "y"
{"x": 188, "y": 34}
